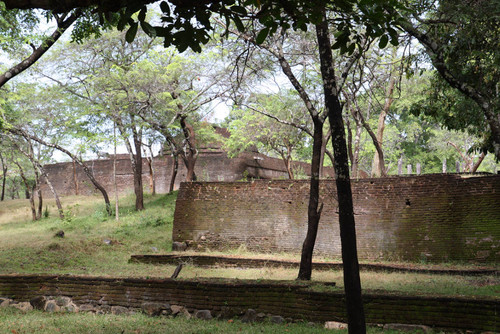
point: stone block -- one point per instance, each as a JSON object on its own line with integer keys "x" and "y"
{"x": 23, "y": 306}
{"x": 408, "y": 328}
{"x": 335, "y": 325}
{"x": 38, "y": 302}
{"x": 203, "y": 314}
{"x": 118, "y": 310}
{"x": 155, "y": 309}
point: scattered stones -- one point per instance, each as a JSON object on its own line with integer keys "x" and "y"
{"x": 276, "y": 319}
{"x": 23, "y": 306}
{"x": 335, "y": 325}
{"x": 179, "y": 246}
{"x": 249, "y": 316}
{"x": 38, "y": 302}
{"x": 408, "y": 328}
{"x": 59, "y": 234}
{"x": 117, "y": 310}
{"x": 155, "y": 309}
{"x": 203, "y": 314}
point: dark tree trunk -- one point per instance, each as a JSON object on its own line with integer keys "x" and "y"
{"x": 137, "y": 166}
{"x": 175, "y": 169}
{"x": 352, "y": 282}
{"x": 39, "y": 193}
{"x": 4, "y": 177}
{"x": 190, "y": 152}
{"x": 313, "y": 213}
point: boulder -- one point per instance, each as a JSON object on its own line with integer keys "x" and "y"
{"x": 87, "y": 308}
{"x": 63, "y": 301}
{"x": 335, "y": 325}
{"x": 155, "y": 309}
{"x": 249, "y": 316}
{"x": 23, "y": 306}
{"x": 276, "y": 319}
{"x": 203, "y": 314}
{"x": 117, "y": 310}
{"x": 180, "y": 311}
{"x": 4, "y": 302}
{"x": 408, "y": 328}
{"x": 51, "y": 306}
{"x": 38, "y": 302}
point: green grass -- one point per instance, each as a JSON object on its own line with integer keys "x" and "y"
{"x": 16, "y": 322}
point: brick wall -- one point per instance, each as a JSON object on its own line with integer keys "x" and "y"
{"x": 210, "y": 166}
{"x": 418, "y": 218}
{"x": 229, "y": 299}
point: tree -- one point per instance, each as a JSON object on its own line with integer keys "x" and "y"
{"x": 462, "y": 39}
{"x": 250, "y": 127}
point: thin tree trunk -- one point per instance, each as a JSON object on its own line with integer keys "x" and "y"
{"x": 175, "y": 169}
{"x": 152, "y": 183}
{"x": 313, "y": 213}
{"x": 39, "y": 192}
{"x": 4, "y": 177}
{"x": 87, "y": 171}
{"x": 190, "y": 153}
{"x": 352, "y": 282}
{"x": 115, "y": 183}
{"x": 27, "y": 186}
{"x": 376, "y": 164}
{"x": 478, "y": 163}
{"x": 139, "y": 191}
{"x": 75, "y": 180}
{"x": 357, "y": 142}
{"x": 52, "y": 189}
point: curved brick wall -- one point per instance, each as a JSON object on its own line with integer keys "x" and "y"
{"x": 437, "y": 217}
{"x": 229, "y": 299}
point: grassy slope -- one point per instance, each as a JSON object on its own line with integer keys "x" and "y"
{"x": 30, "y": 247}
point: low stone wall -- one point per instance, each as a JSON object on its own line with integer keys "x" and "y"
{"x": 437, "y": 217}
{"x": 230, "y": 299}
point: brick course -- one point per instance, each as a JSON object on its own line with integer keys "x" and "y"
{"x": 435, "y": 217}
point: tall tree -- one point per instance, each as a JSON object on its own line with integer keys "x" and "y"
{"x": 462, "y": 39}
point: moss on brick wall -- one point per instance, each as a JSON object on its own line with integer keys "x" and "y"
{"x": 420, "y": 218}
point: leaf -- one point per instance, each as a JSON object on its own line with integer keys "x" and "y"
{"x": 131, "y": 32}
{"x": 383, "y": 41}
{"x": 261, "y": 36}
{"x": 142, "y": 14}
{"x": 148, "y": 29}
{"x": 165, "y": 8}
{"x": 239, "y": 9}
